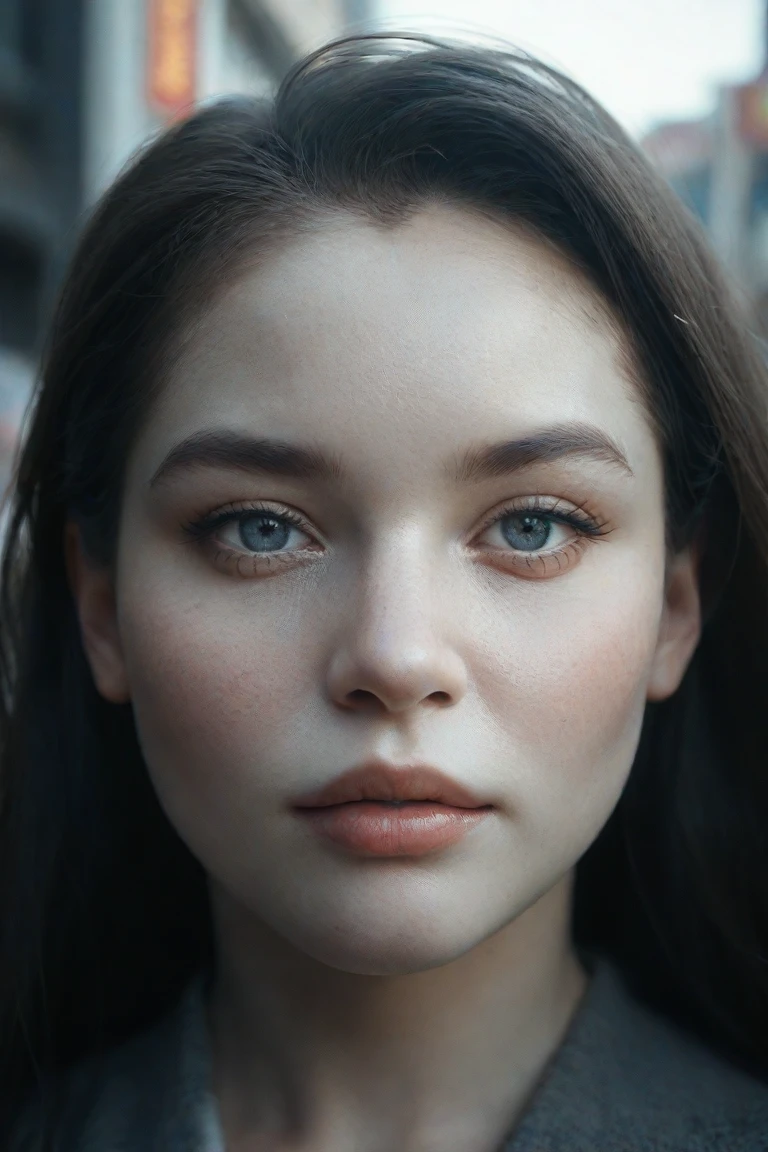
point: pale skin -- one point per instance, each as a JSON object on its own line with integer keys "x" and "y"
{"x": 368, "y": 1004}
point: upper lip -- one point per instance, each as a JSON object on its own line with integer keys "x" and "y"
{"x": 378, "y": 780}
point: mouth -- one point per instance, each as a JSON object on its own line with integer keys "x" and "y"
{"x": 383, "y": 810}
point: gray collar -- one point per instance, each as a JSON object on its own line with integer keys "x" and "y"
{"x": 623, "y": 1080}
{"x": 627, "y": 1080}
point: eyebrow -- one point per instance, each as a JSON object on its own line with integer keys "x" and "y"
{"x": 554, "y": 443}
{"x": 226, "y": 449}
{"x": 221, "y": 448}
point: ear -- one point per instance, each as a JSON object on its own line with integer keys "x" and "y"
{"x": 93, "y": 591}
{"x": 680, "y": 626}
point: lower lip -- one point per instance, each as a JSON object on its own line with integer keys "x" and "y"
{"x": 373, "y": 828}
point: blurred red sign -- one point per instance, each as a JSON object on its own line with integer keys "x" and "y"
{"x": 172, "y": 55}
{"x": 753, "y": 112}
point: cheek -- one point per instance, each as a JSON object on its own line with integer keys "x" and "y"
{"x": 566, "y": 680}
{"x": 215, "y": 688}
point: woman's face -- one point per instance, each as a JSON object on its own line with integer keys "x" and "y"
{"x": 467, "y": 571}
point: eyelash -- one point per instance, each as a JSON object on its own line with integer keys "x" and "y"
{"x": 577, "y": 518}
{"x": 202, "y": 531}
{"x": 587, "y": 527}
{"x": 206, "y": 525}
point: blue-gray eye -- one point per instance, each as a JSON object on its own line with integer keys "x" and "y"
{"x": 525, "y": 532}
{"x": 263, "y": 532}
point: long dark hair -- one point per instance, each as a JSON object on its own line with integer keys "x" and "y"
{"x": 103, "y": 910}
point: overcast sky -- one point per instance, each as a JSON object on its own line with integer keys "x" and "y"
{"x": 646, "y": 60}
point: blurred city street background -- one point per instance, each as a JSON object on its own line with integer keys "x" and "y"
{"x": 84, "y": 82}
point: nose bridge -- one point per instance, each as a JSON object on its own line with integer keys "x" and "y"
{"x": 395, "y": 589}
{"x": 392, "y": 644}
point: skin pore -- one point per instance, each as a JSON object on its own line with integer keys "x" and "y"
{"x": 368, "y": 1004}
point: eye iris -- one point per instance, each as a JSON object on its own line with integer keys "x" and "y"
{"x": 263, "y": 533}
{"x": 526, "y": 533}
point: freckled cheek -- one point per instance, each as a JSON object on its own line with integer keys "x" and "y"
{"x": 570, "y": 674}
{"x": 215, "y": 689}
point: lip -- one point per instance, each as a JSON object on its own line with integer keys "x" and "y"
{"x": 380, "y": 809}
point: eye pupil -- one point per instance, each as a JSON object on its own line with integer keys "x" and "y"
{"x": 526, "y": 533}
{"x": 263, "y": 532}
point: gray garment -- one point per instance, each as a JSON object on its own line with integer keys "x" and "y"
{"x": 624, "y": 1080}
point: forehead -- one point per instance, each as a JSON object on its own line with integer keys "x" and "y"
{"x": 443, "y": 328}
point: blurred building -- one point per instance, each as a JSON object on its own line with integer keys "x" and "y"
{"x": 82, "y": 85}
{"x": 146, "y": 61}
{"x": 719, "y": 166}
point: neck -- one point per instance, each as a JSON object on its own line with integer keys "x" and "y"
{"x": 440, "y": 1059}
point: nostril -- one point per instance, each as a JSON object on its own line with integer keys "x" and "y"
{"x": 362, "y": 696}
{"x": 362, "y": 699}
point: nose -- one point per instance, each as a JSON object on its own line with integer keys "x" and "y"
{"x": 395, "y": 650}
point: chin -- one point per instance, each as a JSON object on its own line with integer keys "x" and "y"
{"x": 376, "y": 921}
{"x": 382, "y": 938}
{"x": 394, "y": 954}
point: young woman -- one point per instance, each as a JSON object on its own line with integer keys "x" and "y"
{"x": 385, "y": 642}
